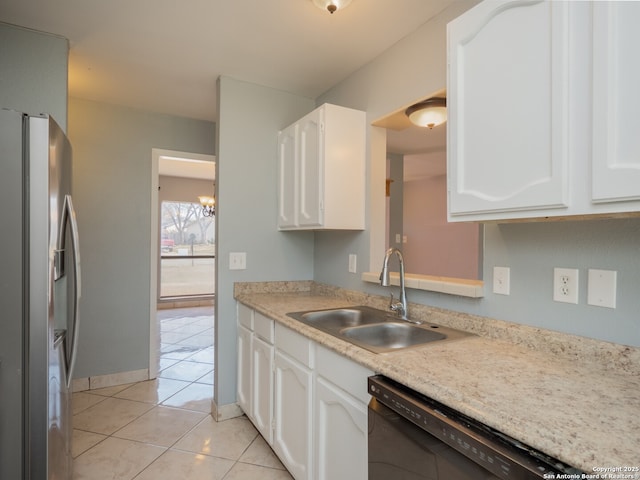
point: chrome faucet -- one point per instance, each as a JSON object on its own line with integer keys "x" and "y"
{"x": 399, "y": 307}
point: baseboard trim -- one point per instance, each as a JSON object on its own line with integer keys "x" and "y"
{"x": 109, "y": 380}
{"x": 225, "y": 412}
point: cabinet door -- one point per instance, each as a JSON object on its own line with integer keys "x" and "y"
{"x": 262, "y": 401}
{"x": 616, "y": 102}
{"x": 287, "y": 177}
{"x": 311, "y": 165}
{"x": 341, "y": 434}
{"x": 293, "y": 421}
{"x": 508, "y": 108}
{"x": 244, "y": 369}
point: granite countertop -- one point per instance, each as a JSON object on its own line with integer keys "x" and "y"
{"x": 575, "y": 399}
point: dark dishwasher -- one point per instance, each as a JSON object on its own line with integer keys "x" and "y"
{"x": 413, "y": 437}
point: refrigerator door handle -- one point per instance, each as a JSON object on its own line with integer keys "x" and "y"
{"x": 69, "y": 215}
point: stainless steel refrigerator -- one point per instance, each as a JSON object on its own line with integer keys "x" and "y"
{"x": 39, "y": 295}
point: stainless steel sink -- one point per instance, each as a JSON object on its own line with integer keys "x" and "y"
{"x": 342, "y": 317}
{"x": 375, "y": 330}
{"x": 392, "y": 335}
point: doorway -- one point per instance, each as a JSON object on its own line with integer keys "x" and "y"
{"x": 182, "y": 237}
{"x": 187, "y": 247}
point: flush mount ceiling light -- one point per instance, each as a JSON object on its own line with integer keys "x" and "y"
{"x": 331, "y": 6}
{"x": 208, "y": 205}
{"x": 429, "y": 113}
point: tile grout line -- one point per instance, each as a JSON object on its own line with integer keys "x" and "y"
{"x": 155, "y": 404}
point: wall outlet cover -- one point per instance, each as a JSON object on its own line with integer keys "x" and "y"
{"x": 353, "y": 262}
{"x": 601, "y": 289}
{"x": 237, "y": 260}
{"x": 565, "y": 285}
{"x": 501, "y": 280}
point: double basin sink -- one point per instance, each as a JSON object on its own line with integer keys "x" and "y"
{"x": 375, "y": 330}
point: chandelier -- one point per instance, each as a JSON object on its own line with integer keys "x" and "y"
{"x": 208, "y": 205}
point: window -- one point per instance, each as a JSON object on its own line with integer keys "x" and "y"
{"x": 187, "y": 250}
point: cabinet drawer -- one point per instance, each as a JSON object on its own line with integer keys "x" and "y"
{"x": 343, "y": 372}
{"x": 245, "y": 316}
{"x": 263, "y": 327}
{"x": 295, "y": 345}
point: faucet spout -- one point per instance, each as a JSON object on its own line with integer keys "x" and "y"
{"x": 399, "y": 307}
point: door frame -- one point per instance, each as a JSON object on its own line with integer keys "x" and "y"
{"x": 156, "y": 155}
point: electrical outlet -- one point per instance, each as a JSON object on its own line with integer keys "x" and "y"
{"x": 565, "y": 285}
{"x": 501, "y": 280}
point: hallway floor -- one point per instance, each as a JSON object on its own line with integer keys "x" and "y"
{"x": 162, "y": 429}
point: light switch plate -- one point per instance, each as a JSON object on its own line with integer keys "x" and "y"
{"x": 353, "y": 262}
{"x": 501, "y": 280}
{"x": 237, "y": 260}
{"x": 601, "y": 290}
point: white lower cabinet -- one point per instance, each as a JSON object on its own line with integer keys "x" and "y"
{"x": 255, "y": 368}
{"x": 245, "y": 349}
{"x": 262, "y": 387}
{"x": 293, "y": 401}
{"x": 293, "y": 421}
{"x": 308, "y": 402}
{"x": 341, "y": 434}
{"x": 244, "y": 368}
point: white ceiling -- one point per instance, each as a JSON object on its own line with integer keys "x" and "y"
{"x": 165, "y": 55}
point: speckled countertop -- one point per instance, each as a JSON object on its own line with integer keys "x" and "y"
{"x": 573, "y": 398}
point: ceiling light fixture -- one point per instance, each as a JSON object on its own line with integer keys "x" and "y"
{"x": 208, "y": 205}
{"x": 429, "y": 113}
{"x": 331, "y": 5}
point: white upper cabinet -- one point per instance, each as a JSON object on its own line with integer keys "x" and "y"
{"x": 321, "y": 171}
{"x": 508, "y": 108}
{"x": 541, "y": 100}
{"x": 311, "y": 174}
{"x": 616, "y": 102}
{"x": 287, "y": 175}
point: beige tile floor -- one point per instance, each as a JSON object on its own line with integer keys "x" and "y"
{"x": 162, "y": 429}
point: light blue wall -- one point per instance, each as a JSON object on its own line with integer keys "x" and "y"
{"x": 249, "y": 119}
{"x": 410, "y": 70}
{"x": 396, "y": 198}
{"x": 416, "y": 67}
{"x": 112, "y": 195}
{"x": 33, "y": 72}
{"x": 532, "y": 250}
